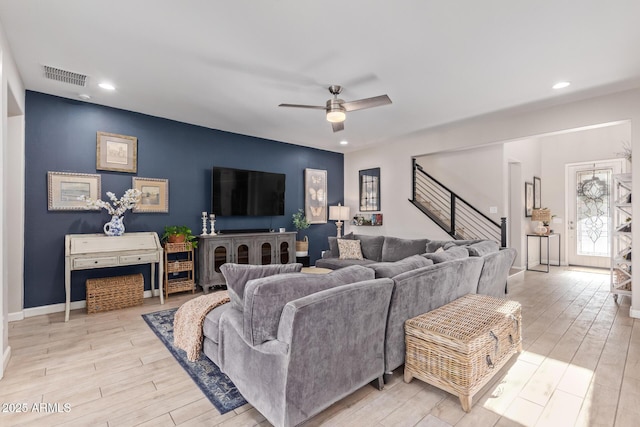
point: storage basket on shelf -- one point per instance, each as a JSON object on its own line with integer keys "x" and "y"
{"x": 178, "y": 262}
{"x": 112, "y": 293}
{"x": 461, "y": 345}
{"x": 302, "y": 247}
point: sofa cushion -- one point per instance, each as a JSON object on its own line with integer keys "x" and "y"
{"x": 395, "y": 249}
{"x": 433, "y": 245}
{"x": 483, "y": 248}
{"x": 237, "y": 276}
{"x": 336, "y": 263}
{"x": 349, "y": 249}
{"x": 371, "y": 246}
{"x": 266, "y": 297}
{"x": 391, "y": 269}
{"x": 455, "y": 252}
{"x": 211, "y": 325}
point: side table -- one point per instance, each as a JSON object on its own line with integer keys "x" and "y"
{"x": 540, "y": 237}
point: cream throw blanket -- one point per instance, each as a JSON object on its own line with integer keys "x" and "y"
{"x": 188, "y": 321}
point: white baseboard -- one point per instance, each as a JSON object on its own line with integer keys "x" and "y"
{"x": 14, "y": 317}
{"x": 635, "y": 313}
{"x": 57, "y": 308}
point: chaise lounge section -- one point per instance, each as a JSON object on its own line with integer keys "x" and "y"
{"x": 301, "y": 341}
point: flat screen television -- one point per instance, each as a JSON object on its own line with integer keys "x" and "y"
{"x": 238, "y": 192}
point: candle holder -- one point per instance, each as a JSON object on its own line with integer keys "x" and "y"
{"x": 212, "y": 219}
{"x": 204, "y": 224}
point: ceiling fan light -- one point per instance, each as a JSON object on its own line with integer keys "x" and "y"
{"x": 336, "y": 116}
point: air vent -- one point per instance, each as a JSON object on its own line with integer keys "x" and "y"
{"x": 65, "y": 76}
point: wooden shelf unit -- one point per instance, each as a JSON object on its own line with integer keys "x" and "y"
{"x": 621, "y": 236}
{"x": 178, "y": 268}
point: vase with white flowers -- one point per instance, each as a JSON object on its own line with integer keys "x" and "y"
{"x": 116, "y": 208}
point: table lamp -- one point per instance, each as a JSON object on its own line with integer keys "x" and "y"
{"x": 339, "y": 213}
{"x": 542, "y": 216}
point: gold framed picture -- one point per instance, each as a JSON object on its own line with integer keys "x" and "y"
{"x": 154, "y": 194}
{"x": 315, "y": 195}
{"x": 65, "y": 190}
{"x": 117, "y": 153}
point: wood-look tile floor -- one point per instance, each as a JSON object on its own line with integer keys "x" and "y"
{"x": 580, "y": 366}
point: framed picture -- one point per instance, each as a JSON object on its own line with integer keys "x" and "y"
{"x": 528, "y": 199}
{"x": 117, "y": 153}
{"x": 537, "y": 193}
{"x": 64, "y": 190}
{"x": 315, "y": 196}
{"x": 369, "y": 190}
{"x": 155, "y": 194}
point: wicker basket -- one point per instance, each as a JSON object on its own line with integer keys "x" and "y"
{"x": 178, "y": 247}
{"x": 112, "y": 293}
{"x": 461, "y": 345}
{"x": 302, "y": 245}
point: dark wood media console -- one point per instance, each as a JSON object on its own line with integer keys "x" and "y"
{"x": 241, "y": 248}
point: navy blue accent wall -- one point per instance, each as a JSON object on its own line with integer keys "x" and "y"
{"x": 60, "y": 136}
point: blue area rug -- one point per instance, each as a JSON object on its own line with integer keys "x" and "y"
{"x": 214, "y": 384}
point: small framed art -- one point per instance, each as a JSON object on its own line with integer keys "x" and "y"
{"x": 154, "y": 194}
{"x": 537, "y": 193}
{"x": 65, "y": 189}
{"x": 117, "y": 153}
{"x": 528, "y": 199}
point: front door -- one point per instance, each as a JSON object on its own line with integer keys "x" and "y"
{"x": 589, "y": 212}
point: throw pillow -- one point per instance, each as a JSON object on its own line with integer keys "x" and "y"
{"x": 237, "y": 276}
{"x": 333, "y": 243}
{"x": 392, "y": 269}
{"x": 455, "y": 252}
{"x": 483, "y": 248}
{"x": 349, "y": 249}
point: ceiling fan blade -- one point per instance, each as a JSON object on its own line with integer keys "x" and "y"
{"x": 316, "y": 107}
{"x": 337, "y": 127}
{"x": 361, "y": 104}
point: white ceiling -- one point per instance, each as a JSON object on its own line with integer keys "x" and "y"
{"x": 228, "y": 64}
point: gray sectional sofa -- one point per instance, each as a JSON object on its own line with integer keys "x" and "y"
{"x": 295, "y": 343}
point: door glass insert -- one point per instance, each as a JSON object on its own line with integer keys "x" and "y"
{"x": 284, "y": 253}
{"x": 242, "y": 253}
{"x": 265, "y": 256}
{"x": 593, "y": 212}
{"x": 219, "y": 257}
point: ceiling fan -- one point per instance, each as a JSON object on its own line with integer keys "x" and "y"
{"x": 337, "y": 108}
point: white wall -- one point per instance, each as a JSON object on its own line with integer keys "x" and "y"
{"x": 13, "y": 105}
{"x": 394, "y": 157}
{"x": 15, "y": 217}
{"x": 477, "y": 178}
{"x": 527, "y": 154}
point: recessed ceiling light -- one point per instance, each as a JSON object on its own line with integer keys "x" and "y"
{"x": 344, "y": 142}
{"x": 107, "y": 86}
{"x": 561, "y": 85}
{"x": 84, "y": 96}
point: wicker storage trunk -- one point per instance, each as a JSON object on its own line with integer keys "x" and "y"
{"x": 461, "y": 345}
{"x": 112, "y": 293}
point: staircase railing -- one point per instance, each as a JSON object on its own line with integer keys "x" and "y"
{"x": 451, "y": 212}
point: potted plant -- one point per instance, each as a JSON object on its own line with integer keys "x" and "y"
{"x": 178, "y": 234}
{"x": 300, "y": 222}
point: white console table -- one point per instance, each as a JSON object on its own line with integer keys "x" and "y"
{"x": 87, "y": 251}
